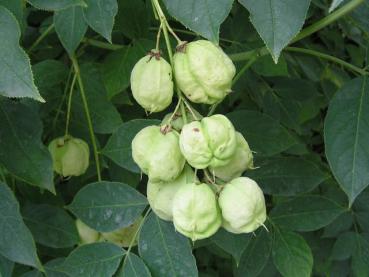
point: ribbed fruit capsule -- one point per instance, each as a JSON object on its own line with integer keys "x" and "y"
{"x": 151, "y": 82}
{"x": 243, "y": 206}
{"x": 157, "y": 153}
{"x": 70, "y": 156}
{"x": 209, "y": 142}
{"x": 241, "y": 160}
{"x": 195, "y": 211}
{"x": 203, "y": 71}
{"x": 161, "y": 194}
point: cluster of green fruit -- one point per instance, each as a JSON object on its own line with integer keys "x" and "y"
{"x": 168, "y": 153}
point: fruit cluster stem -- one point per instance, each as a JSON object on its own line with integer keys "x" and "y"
{"x": 88, "y": 117}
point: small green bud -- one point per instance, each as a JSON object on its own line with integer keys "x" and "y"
{"x": 243, "y": 206}
{"x": 203, "y": 71}
{"x": 161, "y": 194}
{"x": 124, "y": 236}
{"x": 151, "y": 82}
{"x": 209, "y": 142}
{"x": 70, "y": 156}
{"x": 86, "y": 234}
{"x": 195, "y": 211}
{"x": 158, "y": 154}
{"x": 241, "y": 160}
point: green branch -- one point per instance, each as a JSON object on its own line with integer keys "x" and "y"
{"x": 41, "y": 37}
{"x": 88, "y": 117}
{"x": 328, "y": 58}
{"x": 328, "y": 19}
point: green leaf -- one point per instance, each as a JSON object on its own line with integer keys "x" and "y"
{"x": 52, "y": 268}
{"x": 16, "y": 79}
{"x": 20, "y": 131}
{"x": 16, "y": 7}
{"x": 201, "y": 16}
{"x": 104, "y": 115}
{"x": 306, "y": 213}
{"x": 118, "y": 147}
{"x": 292, "y": 255}
{"x": 264, "y": 134}
{"x": 50, "y": 225}
{"x": 16, "y": 242}
{"x": 232, "y": 243}
{"x": 287, "y": 176}
{"x": 107, "y": 206}
{"x": 100, "y": 14}
{"x": 53, "y": 5}
{"x": 6, "y": 267}
{"x": 277, "y": 22}
{"x": 49, "y": 73}
{"x": 360, "y": 259}
{"x": 341, "y": 224}
{"x": 335, "y": 4}
{"x": 266, "y": 67}
{"x": 166, "y": 252}
{"x": 95, "y": 259}
{"x": 118, "y": 65}
{"x": 133, "y": 18}
{"x": 70, "y": 27}
{"x": 133, "y": 267}
{"x": 256, "y": 255}
{"x": 346, "y": 133}
{"x": 344, "y": 246}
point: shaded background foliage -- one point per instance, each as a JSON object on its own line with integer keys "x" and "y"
{"x": 306, "y": 117}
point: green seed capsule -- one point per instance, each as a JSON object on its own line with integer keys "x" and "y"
{"x": 151, "y": 82}
{"x": 203, "y": 71}
{"x": 70, "y": 156}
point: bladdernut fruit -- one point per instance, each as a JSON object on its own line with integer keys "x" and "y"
{"x": 151, "y": 82}
{"x": 157, "y": 153}
{"x": 161, "y": 194}
{"x": 70, "y": 156}
{"x": 124, "y": 236}
{"x": 86, "y": 234}
{"x": 195, "y": 211}
{"x": 242, "y": 205}
{"x": 241, "y": 160}
{"x": 209, "y": 142}
{"x": 203, "y": 71}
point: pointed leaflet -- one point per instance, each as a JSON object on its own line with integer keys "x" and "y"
{"x": 256, "y": 255}
{"x": 53, "y": 5}
{"x": 202, "y": 16}
{"x": 95, "y": 259}
{"x": 107, "y": 206}
{"x": 16, "y": 79}
{"x": 16, "y": 242}
{"x": 334, "y": 5}
{"x": 100, "y": 14}
{"x": 264, "y": 134}
{"x": 50, "y": 225}
{"x": 277, "y": 21}
{"x": 292, "y": 256}
{"x": 306, "y": 213}
{"x": 346, "y": 136}
{"x": 233, "y": 244}
{"x": 20, "y": 131}
{"x": 166, "y": 252}
{"x": 70, "y": 27}
{"x": 287, "y": 176}
{"x": 133, "y": 267}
